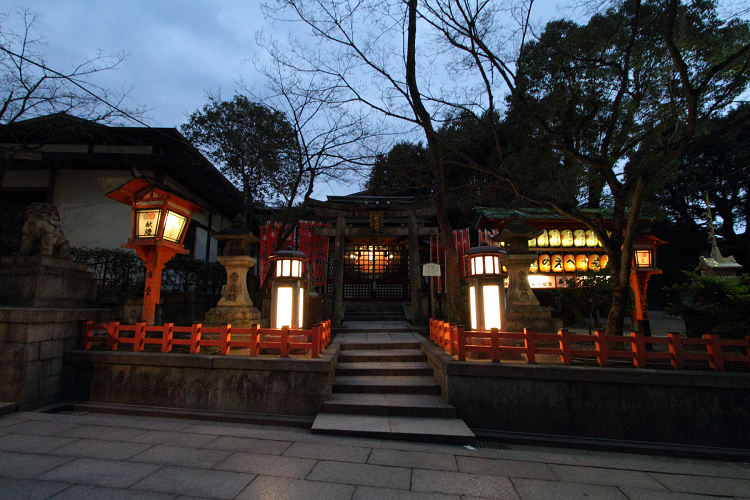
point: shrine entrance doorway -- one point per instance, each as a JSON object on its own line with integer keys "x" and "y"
{"x": 379, "y": 272}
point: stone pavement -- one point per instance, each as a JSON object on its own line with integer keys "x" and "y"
{"x": 88, "y": 455}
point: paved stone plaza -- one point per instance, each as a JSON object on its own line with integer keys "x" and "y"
{"x": 99, "y": 456}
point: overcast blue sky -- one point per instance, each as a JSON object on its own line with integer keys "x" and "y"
{"x": 176, "y": 50}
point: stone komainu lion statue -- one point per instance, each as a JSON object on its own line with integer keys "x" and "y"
{"x": 42, "y": 227}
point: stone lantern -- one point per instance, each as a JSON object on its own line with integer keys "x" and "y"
{"x": 235, "y": 307}
{"x": 522, "y": 308}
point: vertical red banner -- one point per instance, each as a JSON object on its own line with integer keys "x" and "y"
{"x": 316, "y": 249}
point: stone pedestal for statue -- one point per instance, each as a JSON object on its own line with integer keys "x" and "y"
{"x": 522, "y": 308}
{"x": 46, "y": 282}
{"x": 235, "y": 307}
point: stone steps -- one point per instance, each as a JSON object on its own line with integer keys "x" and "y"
{"x": 381, "y": 355}
{"x": 403, "y": 405}
{"x": 418, "y": 368}
{"x": 386, "y": 390}
{"x": 389, "y": 384}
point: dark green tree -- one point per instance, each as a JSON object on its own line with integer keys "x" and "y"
{"x": 252, "y": 144}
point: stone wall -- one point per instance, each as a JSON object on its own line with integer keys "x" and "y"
{"x": 699, "y": 408}
{"x": 241, "y": 384}
{"x": 32, "y": 345}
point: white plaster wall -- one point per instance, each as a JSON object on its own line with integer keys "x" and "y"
{"x": 201, "y": 237}
{"x": 89, "y": 218}
{"x": 26, "y": 179}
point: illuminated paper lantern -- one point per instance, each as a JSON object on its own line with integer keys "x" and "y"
{"x": 557, "y": 263}
{"x": 543, "y": 239}
{"x": 545, "y": 263}
{"x": 554, "y": 238}
{"x": 566, "y": 237}
{"x": 579, "y": 238}
{"x": 533, "y": 267}
{"x": 570, "y": 263}
{"x": 582, "y": 262}
{"x": 594, "y": 264}
{"x": 591, "y": 239}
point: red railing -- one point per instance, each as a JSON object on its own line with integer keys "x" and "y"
{"x": 457, "y": 342}
{"x": 224, "y": 337}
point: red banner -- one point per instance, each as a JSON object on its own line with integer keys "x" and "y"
{"x": 437, "y": 255}
{"x": 269, "y": 235}
{"x": 316, "y": 249}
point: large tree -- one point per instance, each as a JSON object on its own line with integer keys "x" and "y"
{"x": 253, "y": 145}
{"x": 619, "y": 98}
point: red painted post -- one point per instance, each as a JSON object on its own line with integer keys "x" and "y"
{"x": 167, "y": 336}
{"x": 461, "y": 341}
{"x": 639, "y": 347}
{"x": 495, "y": 345}
{"x": 113, "y": 335}
{"x": 85, "y": 334}
{"x": 453, "y": 338}
{"x": 253, "y": 340}
{"x": 528, "y": 340}
{"x": 195, "y": 339}
{"x": 675, "y": 349}
{"x": 284, "y": 342}
{"x": 714, "y": 350}
{"x": 226, "y": 338}
{"x": 565, "y": 347}
{"x": 602, "y": 353}
{"x": 315, "y": 340}
{"x": 140, "y": 334}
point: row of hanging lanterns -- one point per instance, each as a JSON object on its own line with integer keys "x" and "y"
{"x": 566, "y": 238}
{"x": 569, "y": 263}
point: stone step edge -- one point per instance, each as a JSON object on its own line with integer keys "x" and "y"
{"x": 460, "y": 439}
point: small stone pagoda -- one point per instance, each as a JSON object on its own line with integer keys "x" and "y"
{"x": 235, "y": 307}
{"x": 716, "y": 265}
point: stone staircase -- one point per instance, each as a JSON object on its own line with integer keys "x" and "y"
{"x": 386, "y": 390}
{"x": 374, "y": 311}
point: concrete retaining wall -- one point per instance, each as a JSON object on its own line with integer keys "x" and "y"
{"x": 677, "y": 407}
{"x": 279, "y": 386}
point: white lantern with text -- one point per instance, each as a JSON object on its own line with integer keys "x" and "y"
{"x": 288, "y": 290}
{"x": 486, "y": 290}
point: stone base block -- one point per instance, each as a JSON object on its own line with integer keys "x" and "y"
{"x": 238, "y": 317}
{"x": 47, "y": 282}
{"x": 535, "y": 318}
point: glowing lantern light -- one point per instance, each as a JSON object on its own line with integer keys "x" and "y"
{"x": 542, "y": 240}
{"x": 594, "y": 263}
{"x": 567, "y": 238}
{"x": 288, "y": 292}
{"x": 486, "y": 290}
{"x": 545, "y": 263}
{"x": 582, "y": 262}
{"x": 554, "y": 238}
{"x": 591, "y": 239}
{"x": 579, "y": 238}
{"x": 570, "y": 263}
{"x": 533, "y": 267}
{"x": 557, "y": 263}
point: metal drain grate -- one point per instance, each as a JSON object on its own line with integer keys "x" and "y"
{"x": 492, "y": 445}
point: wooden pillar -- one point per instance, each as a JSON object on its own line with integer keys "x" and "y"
{"x": 415, "y": 272}
{"x": 338, "y": 270}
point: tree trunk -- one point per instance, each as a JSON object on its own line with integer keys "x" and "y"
{"x": 452, "y": 277}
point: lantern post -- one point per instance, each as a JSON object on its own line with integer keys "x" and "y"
{"x": 644, "y": 266}
{"x": 288, "y": 291}
{"x": 159, "y": 220}
{"x": 486, "y": 288}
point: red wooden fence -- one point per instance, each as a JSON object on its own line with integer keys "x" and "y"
{"x": 224, "y": 337}
{"x": 456, "y": 341}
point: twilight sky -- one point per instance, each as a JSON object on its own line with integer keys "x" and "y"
{"x": 177, "y": 50}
